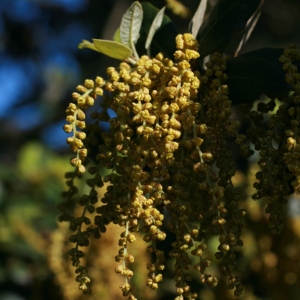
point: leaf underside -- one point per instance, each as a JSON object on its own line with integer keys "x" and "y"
{"x": 156, "y": 23}
{"x": 198, "y": 18}
{"x": 131, "y": 24}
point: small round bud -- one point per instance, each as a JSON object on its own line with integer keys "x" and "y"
{"x": 131, "y": 238}
{"x": 68, "y": 128}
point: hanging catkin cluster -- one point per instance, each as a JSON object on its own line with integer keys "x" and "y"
{"x": 274, "y": 133}
{"x": 170, "y": 167}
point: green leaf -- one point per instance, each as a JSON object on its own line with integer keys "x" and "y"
{"x": 87, "y": 44}
{"x": 226, "y": 18}
{"x": 198, "y": 18}
{"x": 117, "y": 37}
{"x": 112, "y": 49}
{"x": 164, "y": 38}
{"x": 131, "y": 25}
{"x": 156, "y": 23}
{"x": 255, "y": 73}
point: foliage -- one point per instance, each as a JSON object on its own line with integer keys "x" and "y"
{"x": 27, "y": 221}
{"x": 166, "y": 161}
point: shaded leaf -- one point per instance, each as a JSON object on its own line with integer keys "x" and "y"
{"x": 226, "y": 18}
{"x": 239, "y": 39}
{"x": 156, "y": 23}
{"x": 112, "y": 49}
{"x": 250, "y": 27}
{"x": 198, "y": 18}
{"x": 164, "y": 38}
{"x": 255, "y": 73}
{"x": 131, "y": 24}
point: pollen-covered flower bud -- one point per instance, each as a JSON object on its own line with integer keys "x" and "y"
{"x": 75, "y": 96}
{"x": 179, "y": 41}
{"x": 71, "y": 108}
{"x": 161, "y": 236}
{"x": 80, "y": 124}
{"x": 155, "y": 68}
{"x": 171, "y": 91}
{"x": 80, "y": 88}
{"x": 207, "y": 156}
{"x": 80, "y": 114}
{"x": 130, "y": 258}
{"x": 81, "y": 101}
{"x": 88, "y": 83}
{"x": 179, "y": 55}
{"x": 76, "y": 162}
{"x": 83, "y": 152}
{"x": 158, "y": 278}
{"x": 150, "y": 119}
{"x": 78, "y": 143}
{"x": 174, "y": 107}
{"x": 70, "y": 118}
{"x": 197, "y": 141}
{"x": 68, "y": 128}
{"x": 184, "y": 65}
{"x": 131, "y": 238}
{"x": 80, "y": 135}
{"x": 99, "y": 81}
{"x": 98, "y": 91}
{"x": 153, "y": 229}
{"x": 191, "y": 54}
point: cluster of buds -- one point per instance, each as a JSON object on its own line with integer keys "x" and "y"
{"x": 292, "y": 155}
{"x": 277, "y": 144}
{"x": 83, "y": 98}
{"x": 167, "y": 151}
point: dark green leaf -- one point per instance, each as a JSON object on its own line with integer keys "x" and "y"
{"x": 164, "y": 38}
{"x": 255, "y": 73}
{"x": 226, "y": 18}
{"x": 241, "y": 38}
